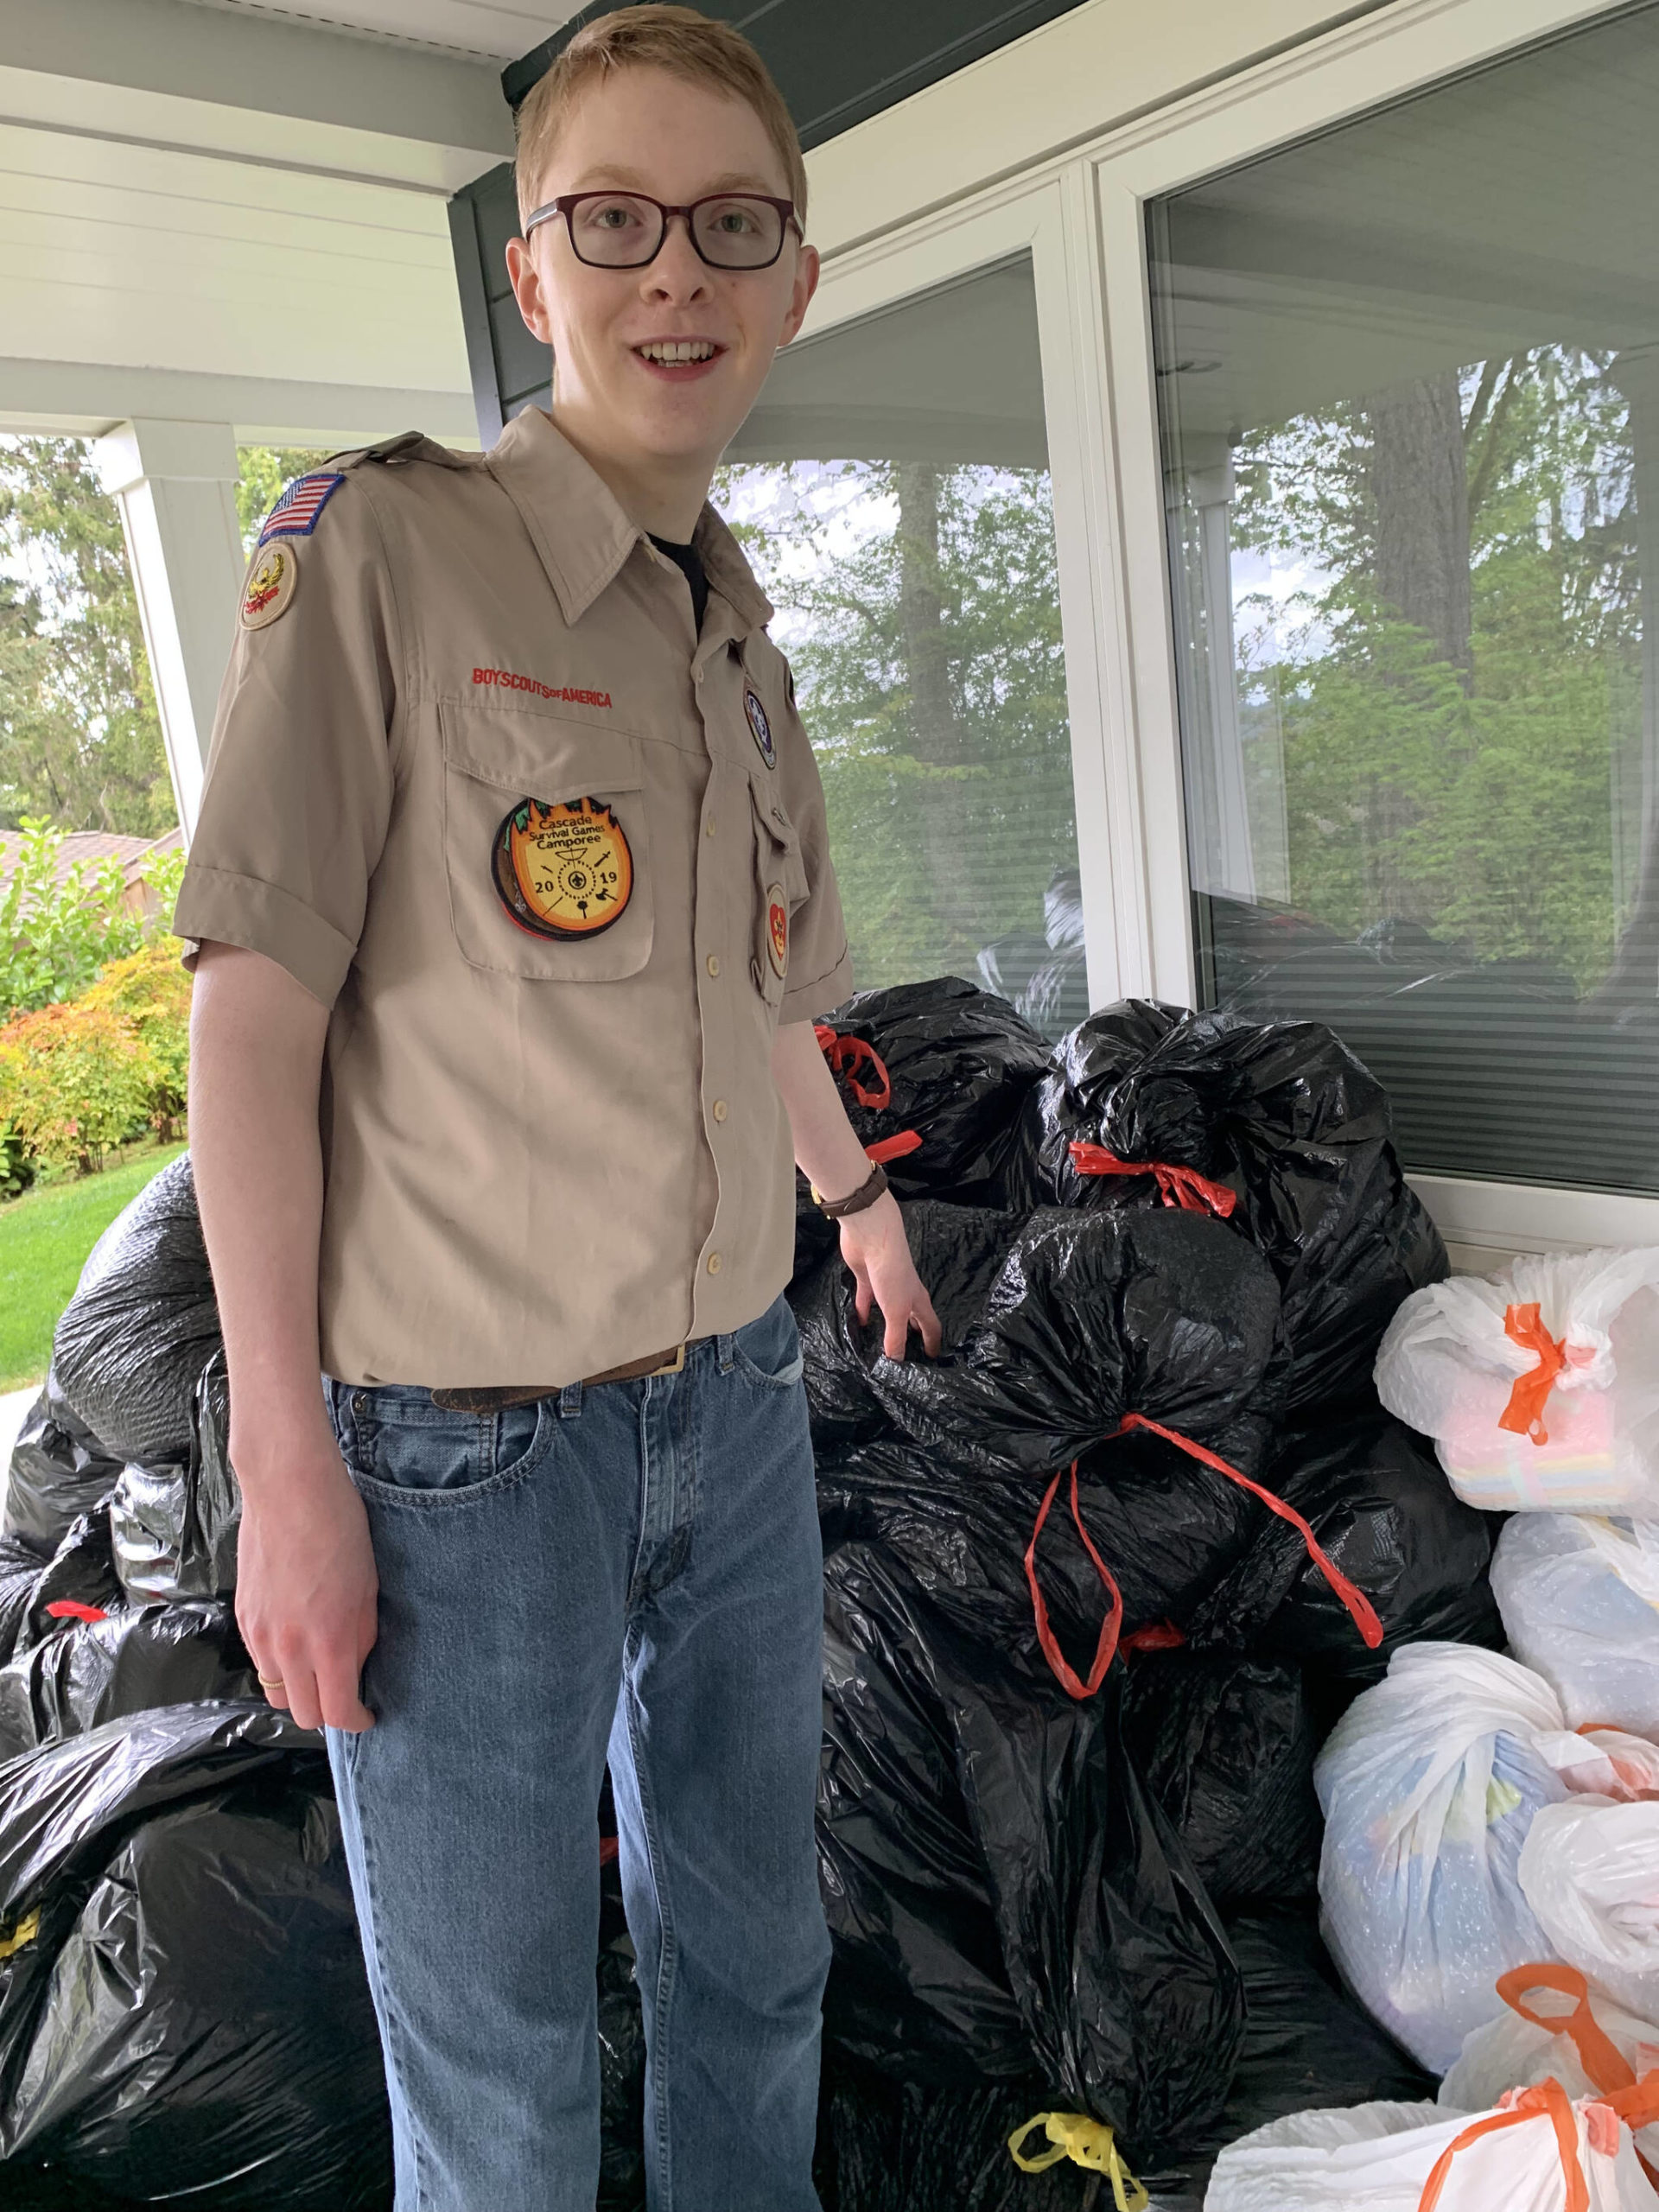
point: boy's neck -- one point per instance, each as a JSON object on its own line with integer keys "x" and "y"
{"x": 664, "y": 498}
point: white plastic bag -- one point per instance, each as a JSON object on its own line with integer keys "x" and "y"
{"x": 1580, "y": 1604}
{"x": 1429, "y": 1784}
{"x": 1590, "y": 1871}
{"x": 1541, "y": 1385}
{"x": 1386, "y": 2157}
{"x": 1555, "y": 2026}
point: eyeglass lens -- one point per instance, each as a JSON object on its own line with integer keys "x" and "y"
{"x": 618, "y": 231}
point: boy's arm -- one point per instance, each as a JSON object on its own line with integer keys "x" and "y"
{"x": 306, "y": 1586}
{"x": 873, "y": 1241}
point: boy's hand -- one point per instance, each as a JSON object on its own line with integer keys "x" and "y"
{"x": 306, "y": 1588}
{"x": 874, "y": 1246}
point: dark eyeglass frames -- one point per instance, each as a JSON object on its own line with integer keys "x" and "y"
{"x": 625, "y": 230}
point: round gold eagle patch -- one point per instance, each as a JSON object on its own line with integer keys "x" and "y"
{"x": 564, "y": 870}
{"x": 270, "y": 587}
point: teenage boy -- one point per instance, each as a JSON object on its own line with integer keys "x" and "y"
{"x": 514, "y": 906}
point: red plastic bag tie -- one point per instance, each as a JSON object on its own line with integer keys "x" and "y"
{"x": 1063, "y": 1670}
{"x": 1359, "y": 1606}
{"x": 1520, "y": 2105}
{"x": 1604, "y": 2065}
{"x": 1180, "y": 1186}
{"x": 846, "y": 1056}
{"x": 1157, "y": 1635}
{"x": 886, "y": 1149}
{"x": 610, "y": 1847}
{"x": 1524, "y": 1414}
{"x": 71, "y": 1609}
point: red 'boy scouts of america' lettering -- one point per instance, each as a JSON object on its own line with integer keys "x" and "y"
{"x": 508, "y": 682}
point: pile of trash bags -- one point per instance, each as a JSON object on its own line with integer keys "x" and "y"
{"x": 1100, "y": 1578}
{"x": 1489, "y": 1876}
{"x": 1100, "y": 1582}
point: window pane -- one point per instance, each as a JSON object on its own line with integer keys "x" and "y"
{"x": 892, "y": 490}
{"x": 1410, "y": 378}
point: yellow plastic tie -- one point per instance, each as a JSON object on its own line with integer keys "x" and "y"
{"x": 1087, "y": 2143}
{"x": 23, "y": 1935}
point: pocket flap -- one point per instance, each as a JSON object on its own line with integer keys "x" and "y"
{"x": 520, "y": 751}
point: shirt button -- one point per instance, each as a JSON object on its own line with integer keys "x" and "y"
{"x": 719, "y": 1109}
{"x": 713, "y": 963}
{"x": 713, "y": 1263}
{"x": 709, "y": 827}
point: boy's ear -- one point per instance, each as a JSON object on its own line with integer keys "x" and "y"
{"x": 526, "y": 282}
{"x": 800, "y": 298}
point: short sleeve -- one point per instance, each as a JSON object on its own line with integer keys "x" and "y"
{"x": 299, "y": 784}
{"x": 820, "y": 970}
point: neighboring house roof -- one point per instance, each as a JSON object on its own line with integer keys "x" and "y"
{"x": 85, "y": 847}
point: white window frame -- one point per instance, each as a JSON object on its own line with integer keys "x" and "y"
{"x": 1081, "y": 214}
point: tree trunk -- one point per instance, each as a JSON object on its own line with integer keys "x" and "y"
{"x": 1420, "y": 489}
{"x": 937, "y": 735}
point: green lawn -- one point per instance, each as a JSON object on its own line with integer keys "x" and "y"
{"x": 45, "y": 1236}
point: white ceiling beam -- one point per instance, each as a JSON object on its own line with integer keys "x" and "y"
{"x": 166, "y": 71}
{"x": 89, "y": 398}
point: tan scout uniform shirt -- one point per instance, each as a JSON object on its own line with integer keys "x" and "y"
{"x": 559, "y": 867}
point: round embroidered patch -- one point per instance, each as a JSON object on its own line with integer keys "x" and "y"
{"x": 776, "y": 930}
{"x": 270, "y": 587}
{"x": 761, "y": 728}
{"x": 564, "y": 870}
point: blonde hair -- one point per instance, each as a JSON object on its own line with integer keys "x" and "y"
{"x": 687, "y": 45}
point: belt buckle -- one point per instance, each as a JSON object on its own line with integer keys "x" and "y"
{"x": 674, "y": 1366}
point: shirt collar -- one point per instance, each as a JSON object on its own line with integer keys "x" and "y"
{"x": 581, "y": 532}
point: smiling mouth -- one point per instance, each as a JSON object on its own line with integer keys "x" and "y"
{"x": 678, "y": 352}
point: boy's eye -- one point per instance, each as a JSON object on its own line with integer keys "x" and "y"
{"x": 731, "y": 219}
{"x": 610, "y": 214}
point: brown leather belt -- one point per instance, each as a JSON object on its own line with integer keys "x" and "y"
{"x": 512, "y": 1393}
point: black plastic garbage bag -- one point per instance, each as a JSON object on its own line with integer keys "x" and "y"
{"x": 174, "y": 1527}
{"x": 1279, "y": 1114}
{"x": 184, "y": 2014}
{"x": 1006, "y": 1902}
{"x": 1382, "y": 1508}
{"x": 86, "y": 1672}
{"x": 1307, "y": 2046}
{"x": 58, "y": 1472}
{"x": 1056, "y": 1328}
{"x": 1166, "y": 1527}
{"x": 131, "y": 1343}
{"x": 1227, "y": 1748}
{"x": 887, "y": 2145}
{"x": 20, "y": 1569}
{"x": 958, "y": 1063}
{"x": 79, "y": 1576}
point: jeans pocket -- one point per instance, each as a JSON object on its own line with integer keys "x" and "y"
{"x": 768, "y": 1350}
{"x": 401, "y": 1445}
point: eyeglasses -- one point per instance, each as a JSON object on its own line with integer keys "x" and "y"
{"x": 625, "y": 230}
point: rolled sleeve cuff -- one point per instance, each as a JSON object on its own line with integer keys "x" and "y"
{"x": 218, "y": 906}
{"x": 803, "y": 1000}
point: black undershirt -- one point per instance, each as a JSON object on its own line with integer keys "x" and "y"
{"x": 688, "y": 562}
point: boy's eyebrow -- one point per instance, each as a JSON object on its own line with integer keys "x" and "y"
{"x": 618, "y": 173}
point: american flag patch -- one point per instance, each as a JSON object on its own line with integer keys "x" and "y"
{"x": 295, "y": 514}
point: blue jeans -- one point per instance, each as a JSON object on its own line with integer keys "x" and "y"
{"x": 632, "y": 1570}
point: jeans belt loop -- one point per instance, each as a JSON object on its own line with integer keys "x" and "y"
{"x": 726, "y": 1351}
{"x": 570, "y": 1402}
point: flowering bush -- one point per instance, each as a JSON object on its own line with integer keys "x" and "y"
{"x": 56, "y": 937}
{"x": 74, "y": 1080}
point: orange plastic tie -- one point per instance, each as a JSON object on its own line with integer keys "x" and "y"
{"x": 1359, "y": 1606}
{"x": 1179, "y": 1187}
{"x": 846, "y": 1056}
{"x": 899, "y": 1148}
{"x": 71, "y": 1609}
{"x": 1063, "y": 1671}
{"x": 1524, "y": 1414}
{"x": 1606, "y": 2067}
{"x": 1519, "y": 2105}
{"x": 1157, "y": 1635}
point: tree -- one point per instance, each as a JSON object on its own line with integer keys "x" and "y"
{"x": 80, "y": 740}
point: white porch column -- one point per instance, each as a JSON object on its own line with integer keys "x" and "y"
{"x": 176, "y": 483}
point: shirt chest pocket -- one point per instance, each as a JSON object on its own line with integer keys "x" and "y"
{"x": 781, "y": 886}
{"x": 546, "y": 846}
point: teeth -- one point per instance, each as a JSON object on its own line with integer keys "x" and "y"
{"x": 678, "y": 349}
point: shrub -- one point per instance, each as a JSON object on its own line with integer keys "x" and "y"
{"x": 151, "y": 989}
{"x": 56, "y": 937}
{"x": 74, "y": 1080}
